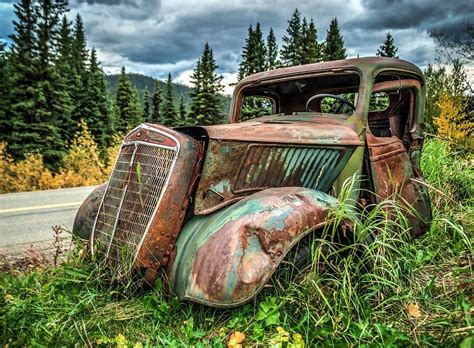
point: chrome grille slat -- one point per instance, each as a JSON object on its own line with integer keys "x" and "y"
{"x": 130, "y": 201}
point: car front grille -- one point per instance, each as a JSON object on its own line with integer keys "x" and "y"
{"x": 134, "y": 191}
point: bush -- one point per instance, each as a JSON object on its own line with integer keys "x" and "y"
{"x": 81, "y": 166}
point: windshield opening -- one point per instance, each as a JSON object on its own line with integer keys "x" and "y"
{"x": 328, "y": 93}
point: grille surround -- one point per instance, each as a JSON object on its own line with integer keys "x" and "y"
{"x": 140, "y": 177}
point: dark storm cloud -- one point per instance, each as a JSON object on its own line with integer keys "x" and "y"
{"x": 426, "y": 15}
{"x": 157, "y": 36}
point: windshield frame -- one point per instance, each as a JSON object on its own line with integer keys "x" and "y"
{"x": 240, "y": 90}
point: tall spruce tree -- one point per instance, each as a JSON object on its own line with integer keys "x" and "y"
{"x": 4, "y": 88}
{"x": 54, "y": 104}
{"x": 182, "y": 114}
{"x": 206, "y": 103}
{"x": 168, "y": 109}
{"x": 79, "y": 61}
{"x": 21, "y": 135}
{"x": 312, "y": 53}
{"x": 99, "y": 118}
{"x": 146, "y": 104}
{"x": 127, "y": 103}
{"x": 292, "y": 49}
{"x": 156, "y": 101}
{"x": 254, "y": 53}
{"x": 388, "y": 48}
{"x": 272, "y": 51}
{"x": 334, "y": 44}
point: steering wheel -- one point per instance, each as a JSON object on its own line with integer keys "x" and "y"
{"x": 341, "y": 99}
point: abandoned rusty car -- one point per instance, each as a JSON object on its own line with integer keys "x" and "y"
{"x": 218, "y": 207}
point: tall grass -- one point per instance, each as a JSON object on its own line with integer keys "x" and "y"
{"x": 374, "y": 286}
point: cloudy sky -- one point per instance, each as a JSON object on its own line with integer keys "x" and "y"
{"x": 155, "y": 37}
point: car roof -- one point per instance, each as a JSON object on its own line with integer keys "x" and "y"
{"x": 367, "y": 65}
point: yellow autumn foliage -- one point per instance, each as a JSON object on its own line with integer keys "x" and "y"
{"x": 453, "y": 122}
{"x": 81, "y": 166}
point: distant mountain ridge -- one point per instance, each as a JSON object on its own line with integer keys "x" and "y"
{"x": 141, "y": 82}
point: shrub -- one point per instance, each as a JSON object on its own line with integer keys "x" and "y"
{"x": 81, "y": 166}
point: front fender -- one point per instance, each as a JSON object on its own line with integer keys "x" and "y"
{"x": 225, "y": 258}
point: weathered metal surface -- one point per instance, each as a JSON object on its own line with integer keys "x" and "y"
{"x": 233, "y": 170}
{"x": 85, "y": 217}
{"x": 225, "y": 258}
{"x": 290, "y": 129}
{"x": 131, "y": 229}
{"x": 393, "y": 174}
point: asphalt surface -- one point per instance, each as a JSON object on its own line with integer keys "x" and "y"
{"x": 27, "y": 218}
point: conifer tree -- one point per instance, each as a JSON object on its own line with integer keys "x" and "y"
{"x": 311, "y": 53}
{"x": 388, "y": 48}
{"x": 182, "y": 115}
{"x": 272, "y": 51}
{"x": 128, "y": 111}
{"x": 156, "y": 101}
{"x": 54, "y": 105}
{"x": 4, "y": 120}
{"x": 79, "y": 60}
{"x": 79, "y": 47}
{"x": 292, "y": 49}
{"x": 23, "y": 73}
{"x": 168, "y": 110}
{"x": 206, "y": 103}
{"x": 99, "y": 118}
{"x": 334, "y": 44}
{"x": 254, "y": 53}
{"x": 146, "y": 105}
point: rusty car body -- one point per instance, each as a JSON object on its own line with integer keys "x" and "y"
{"x": 218, "y": 207}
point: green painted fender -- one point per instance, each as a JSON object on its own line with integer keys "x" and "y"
{"x": 225, "y": 258}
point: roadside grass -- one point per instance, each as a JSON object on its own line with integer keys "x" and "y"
{"x": 380, "y": 290}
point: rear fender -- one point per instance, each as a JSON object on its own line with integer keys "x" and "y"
{"x": 225, "y": 258}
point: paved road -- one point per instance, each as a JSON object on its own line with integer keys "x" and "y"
{"x": 26, "y": 218}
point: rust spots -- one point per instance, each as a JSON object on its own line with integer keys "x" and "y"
{"x": 241, "y": 255}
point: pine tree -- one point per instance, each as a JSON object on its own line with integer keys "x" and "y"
{"x": 99, "y": 118}
{"x": 312, "y": 52}
{"x": 21, "y": 135}
{"x": 4, "y": 87}
{"x": 292, "y": 49}
{"x": 334, "y": 44}
{"x": 66, "y": 74}
{"x": 79, "y": 47}
{"x": 272, "y": 51}
{"x": 79, "y": 60}
{"x": 54, "y": 103}
{"x": 206, "y": 103}
{"x": 168, "y": 110}
{"x": 182, "y": 115}
{"x": 127, "y": 103}
{"x": 146, "y": 105}
{"x": 388, "y": 48}
{"x": 156, "y": 101}
{"x": 254, "y": 53}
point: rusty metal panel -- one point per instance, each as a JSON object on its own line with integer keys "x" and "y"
{"x": 225, "y": 258}
{"x": 233, "y": 170}
{"x": 393, "y": 176}
{"x": 279, "y": 166}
